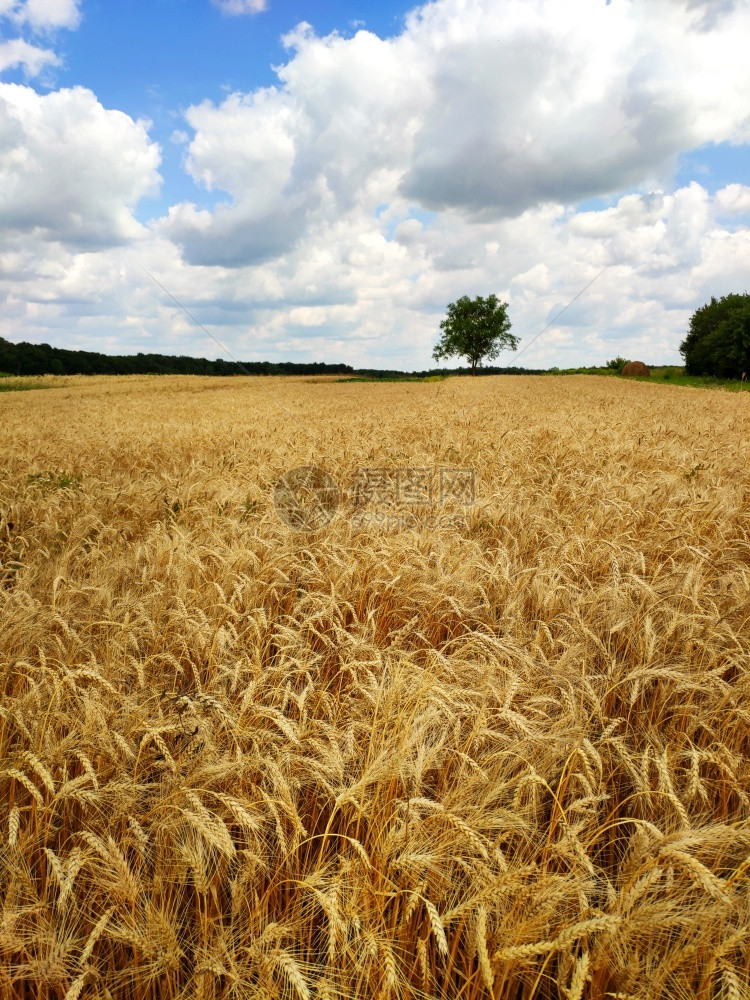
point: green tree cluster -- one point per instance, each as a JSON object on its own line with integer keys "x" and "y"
{"x": 718, "y": 341}
{"x": 41, "y": 359}
{"x": 617, "y": 364}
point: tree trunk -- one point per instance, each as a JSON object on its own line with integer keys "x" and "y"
{"x": 473, "y": 366}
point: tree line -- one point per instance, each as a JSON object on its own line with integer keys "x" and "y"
{"x": 42, "y": 359}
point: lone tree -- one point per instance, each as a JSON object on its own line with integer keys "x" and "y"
{"x": 718, "y": 341}
{"x": 475, "y": 329}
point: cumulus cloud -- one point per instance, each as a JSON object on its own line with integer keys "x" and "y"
{"x": 734, "y": 199}
{"x": 42, "y": 15}
{"x": 33, "y": 59}
{"x": 535, "y": 102}
{"x": 710, "y": 12}
{"x": 240, "y": 6}
{"x": 485, "y": 110}
{"x": 268, "y": 213}
{"x": 327, "y": 140}
{"x": 408, "y": 231}
{"x": 70, "y": 170}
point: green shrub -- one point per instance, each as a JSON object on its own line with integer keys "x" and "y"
{"x": 617, "y": 364}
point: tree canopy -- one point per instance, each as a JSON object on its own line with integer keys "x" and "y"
{"x": 475, "y": 329}
{"x": 718, "y": 340}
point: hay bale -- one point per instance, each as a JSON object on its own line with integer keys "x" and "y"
{"x": 636, "y": 368}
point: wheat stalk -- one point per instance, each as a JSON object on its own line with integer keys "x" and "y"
{"x": 14, "y": 824}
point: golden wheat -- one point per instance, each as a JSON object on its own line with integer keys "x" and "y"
{"x": 499, "y": 750}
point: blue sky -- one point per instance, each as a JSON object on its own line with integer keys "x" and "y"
{"x": 317, "y": 181}
{"x": 153, "y": 57}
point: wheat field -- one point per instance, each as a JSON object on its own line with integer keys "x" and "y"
{"x": 497, "y": 749}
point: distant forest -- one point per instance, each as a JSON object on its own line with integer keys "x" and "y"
{"x": 41, "y": 359}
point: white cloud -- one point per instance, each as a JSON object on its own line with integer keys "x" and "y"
{"x": 43, "y": 15}
{"x": 240, "y": 6}
{"x": 710, "y": 12}
{"x": 17, "y": 52}
{"x": 408, "y": 231}
{"x": 265, "y": 217}
{"x": 473, "y": 107}
{"x": 34, "y": 17}
{"x": 734, "y": 199}
{"x": 551, "y": 101}
{"x": 70, "y": 170}
{"x": 329, "y": 139}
